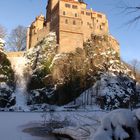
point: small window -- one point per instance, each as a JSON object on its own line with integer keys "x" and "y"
{"x": 88, "y": 14}
{"x": 100, "y": 16}
{"x": 74, "y": 6}
{"x": 103, "y": 24}
{"x": 101, "y": 27}
{"x": 67, "y": 5}
{"x": 97, "y": 20}
{"x": 74, "y": 22}
{"x": 82, "y": 12}
{"x": 66, "y": 21}
{"x": 76, "y": 15}
{"x": 64, "y": 13}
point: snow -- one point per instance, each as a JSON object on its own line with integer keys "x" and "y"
{"x": 121, "y": 124}
{"x": 80, "y": 124}
{"x": 2, "y": 41}
{"x": 12, "y": 124}
{"x": 22, "y": 77}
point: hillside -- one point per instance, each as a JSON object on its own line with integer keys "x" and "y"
{"x": 61, "y": 78}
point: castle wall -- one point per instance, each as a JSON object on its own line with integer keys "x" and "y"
{"x": 15, "y": 54}
{"x": 70, "y": 31}
{"x": 87, "y": 24}
{"x": 37, "y": 37}
{"x": 115, "y": 44}
{"x": 70, "y": 45}
{"x": 93, "y": 22}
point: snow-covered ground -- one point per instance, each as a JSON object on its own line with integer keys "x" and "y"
{"x": 11, "y": 126}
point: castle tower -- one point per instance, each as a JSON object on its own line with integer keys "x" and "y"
{"x": 32, "y": 31}
{"x": 72, "y": 22}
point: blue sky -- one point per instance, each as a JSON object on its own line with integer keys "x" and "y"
{"x": 23, "y": 12}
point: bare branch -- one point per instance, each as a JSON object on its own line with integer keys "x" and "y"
{"x": 2, "y": 31}
{"x": 17, "y": 39}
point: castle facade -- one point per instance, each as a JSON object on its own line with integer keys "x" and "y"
{"x": 72, "y": 22}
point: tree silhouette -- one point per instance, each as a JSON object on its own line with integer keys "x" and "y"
{"x": 2, "y": 31}
{"x": 17, "y": 38}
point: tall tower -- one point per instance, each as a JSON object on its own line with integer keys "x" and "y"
{"x": 50, "y": 6}
{"x": 52, "y": 17}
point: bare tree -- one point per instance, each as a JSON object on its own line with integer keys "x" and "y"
{"x": 2, "y": 31}
{"x": 17, "y": 38}
{"x": 131, "y": 9}
{"x": 135, "y": 66}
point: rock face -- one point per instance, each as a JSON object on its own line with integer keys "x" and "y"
{"x": 6, "y": 80}
{"x": 61, "y": 78}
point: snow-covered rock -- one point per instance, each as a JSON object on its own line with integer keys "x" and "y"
{"x": 119, "y": 124}
{"x": 97, "y": 68}
{"x": 2, "y": 44}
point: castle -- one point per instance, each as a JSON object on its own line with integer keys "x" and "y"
{"x": 72, "y": 22}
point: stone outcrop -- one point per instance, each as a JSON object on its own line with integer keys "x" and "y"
{"x": 59, "y": 78}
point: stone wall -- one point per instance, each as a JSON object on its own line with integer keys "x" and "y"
{"x": 14, "y": 54}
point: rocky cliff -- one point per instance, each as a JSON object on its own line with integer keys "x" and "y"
{"x": 61, "y": 78}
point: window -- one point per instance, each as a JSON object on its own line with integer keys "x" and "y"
{"x": 101, "y": 27}
{"x": 67, "y": 5}
{"x": 66, "y": 21}
{"x": 76, "y": 15}
{"x": 74, "y": 6}
{"x": 97, "y": 20}
{"x": 87, "y": 13}
{"x": 103, "y": 24}
{"x": 82, "y": 12}
{"x": 64, "y": 13}
{"x": 74, "y": 22}
{"x": 100, "y": 16}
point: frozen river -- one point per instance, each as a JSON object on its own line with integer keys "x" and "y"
{"x": 12, "y": 124}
